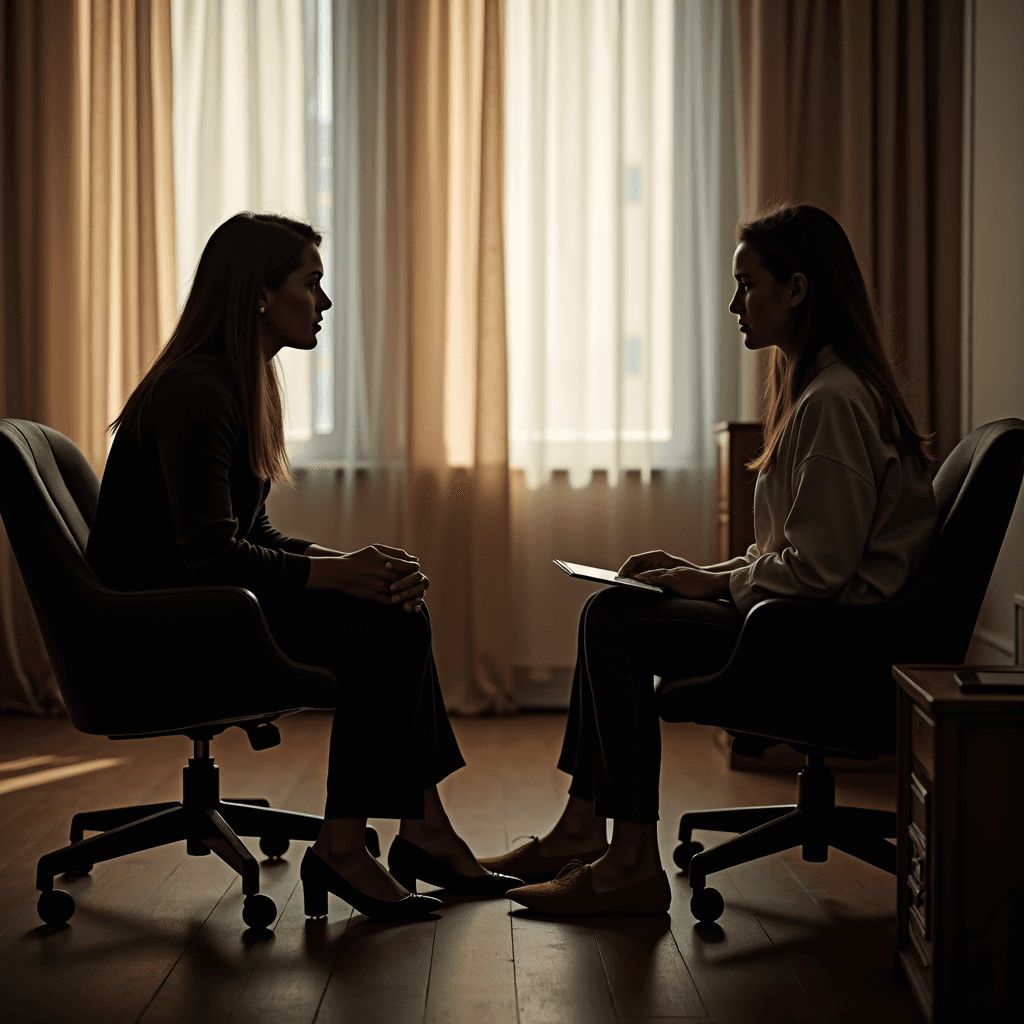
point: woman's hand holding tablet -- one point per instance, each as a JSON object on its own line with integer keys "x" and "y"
{"x": 678, "y": 575}
{"x": 654, "y": 560}
{"x": 660, "y": 572}
{"x": 692, "y": 582}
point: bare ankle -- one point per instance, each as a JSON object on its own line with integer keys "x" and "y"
{"x": 337, "y": 853}
{"x": 591, "y": 838}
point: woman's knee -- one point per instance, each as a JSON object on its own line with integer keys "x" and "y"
{"x": 608, "y": 609}
{"x": 411, "y": 627}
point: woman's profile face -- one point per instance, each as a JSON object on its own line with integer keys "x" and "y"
{"x": 765, "y": 307}
{"x": 294, "y": 311}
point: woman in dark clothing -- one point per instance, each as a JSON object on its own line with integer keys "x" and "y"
{"x": 183, "y": 501}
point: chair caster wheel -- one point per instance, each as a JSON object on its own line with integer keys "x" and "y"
{"x": 82, "y": 869}
{"x": 707, "y": 905}
{"x": 684, "y": 852}
{"x": 274, "y": 846}
{"x": 259, "y": 911}
{"x": 55, "y": 906}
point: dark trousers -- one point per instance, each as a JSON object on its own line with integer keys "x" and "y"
{"x": 612, "y": 745}
{"x": 391, "y": 738}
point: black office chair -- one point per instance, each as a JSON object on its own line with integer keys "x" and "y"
{"x": 818, "y": 676}
{"x": 187, "y": 660}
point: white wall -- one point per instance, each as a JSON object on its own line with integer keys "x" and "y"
{"x": 994, "y": 271}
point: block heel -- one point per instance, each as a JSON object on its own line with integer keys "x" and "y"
{"x": 314, "y": 898}
{"x": 319, "y": 878}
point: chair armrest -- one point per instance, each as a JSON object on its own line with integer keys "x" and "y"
{"x": 154, "y": 659}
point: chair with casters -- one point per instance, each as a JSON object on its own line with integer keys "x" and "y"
{"x": 189, "y": 660}
{"x": 817, "y": 675}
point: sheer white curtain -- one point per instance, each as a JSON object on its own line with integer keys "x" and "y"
{"x": 620, "y": 231}
{"x": 620, "y": 200}
{"x": 239, "y": 140}
{"x": 358, "y": 378}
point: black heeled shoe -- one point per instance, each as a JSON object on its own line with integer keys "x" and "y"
{"x": 319, "y": 878}
{"x": 407, "y": 862}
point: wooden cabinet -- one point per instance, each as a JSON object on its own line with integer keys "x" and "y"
{"x": 737, "y": 444}
{"x": 960, "y": 893}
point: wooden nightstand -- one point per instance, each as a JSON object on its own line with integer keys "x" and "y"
{"x": 960, "y": 895}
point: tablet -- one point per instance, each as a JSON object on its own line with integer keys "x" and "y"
{"x": 588, "y": 572}
{"x": 998, "y": 680}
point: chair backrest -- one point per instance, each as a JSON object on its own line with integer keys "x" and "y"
{"x": 47, "y": 503}
{"x": 932, "y": 619}
{"x": 129, "y": 663}
{"x": 821, "y": 673}
{"x": 976, "y": 490}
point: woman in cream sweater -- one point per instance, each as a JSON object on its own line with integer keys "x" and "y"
{"x": 843, "y": 511}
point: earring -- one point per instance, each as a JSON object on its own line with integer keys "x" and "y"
{"x": 263, "y": 309}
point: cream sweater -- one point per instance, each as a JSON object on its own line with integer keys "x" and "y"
{"x": 841, "y": 515}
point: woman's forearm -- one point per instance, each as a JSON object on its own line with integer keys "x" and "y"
{"x": 717, "y": 583}
{"x": 315, "y": 551}
{"x": 323, "y": 569}
{"x": 734, "y": 563}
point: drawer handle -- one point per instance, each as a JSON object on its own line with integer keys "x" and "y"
{"x": 917, "y": 869}
{"x": 919, "y": 893}
{"x": 919, "y": 791}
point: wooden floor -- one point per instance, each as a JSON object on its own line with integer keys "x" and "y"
{"x": 158, "y": 936}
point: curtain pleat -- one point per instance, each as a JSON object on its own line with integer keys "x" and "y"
{"x": 458, "y": 484}
{"x": 855, "y": 106}
{"x": 87, "y": 282}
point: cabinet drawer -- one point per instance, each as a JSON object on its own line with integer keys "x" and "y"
{"x": 922, "y": 739}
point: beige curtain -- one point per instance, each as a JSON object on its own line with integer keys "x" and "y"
{"x": 855, "y": 105}
{"x": 87, "y": 281}
{"x": 458, "y": 482}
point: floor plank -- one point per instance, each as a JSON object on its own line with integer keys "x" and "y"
{"x": 472, "y": 973}
{"x": 858, "y": 906}
{"x": 646, "y": 973}
{"x": 738, "y": 973}
{"x": 835, "y": 984}
{"x": 381, "y": 973}
{"x": 560, "y": 977}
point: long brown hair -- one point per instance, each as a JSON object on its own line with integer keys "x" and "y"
{"x": 220, "y": 318}
{"x": 790, "y": 238}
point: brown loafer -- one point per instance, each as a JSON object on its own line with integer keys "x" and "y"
{"x": 525, "y": 862}
{"x": 572, "y": 894}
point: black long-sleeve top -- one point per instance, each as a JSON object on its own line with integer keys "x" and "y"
{"x": 183, "y": 506}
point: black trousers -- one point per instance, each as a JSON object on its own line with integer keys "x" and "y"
{"x": 391, "y": 738}
{"x": 612, "y": 745}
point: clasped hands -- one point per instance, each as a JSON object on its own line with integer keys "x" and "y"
{"x": 676, "y": 574}
{"x": 376, "y": 573}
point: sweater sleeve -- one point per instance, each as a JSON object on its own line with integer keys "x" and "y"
{"x": 196, "y": 426}
{"x": 825, "y": 534}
